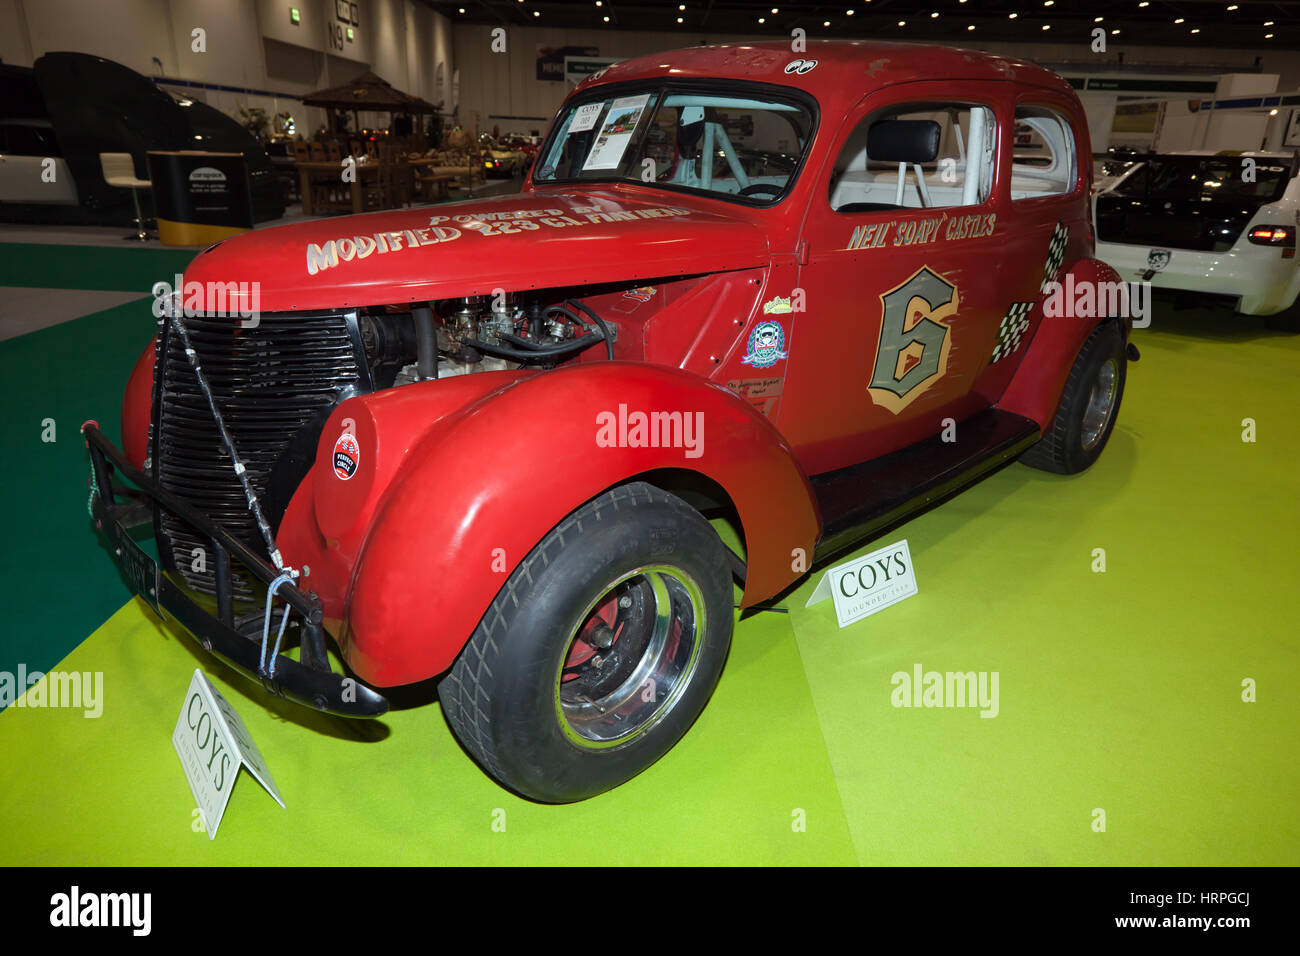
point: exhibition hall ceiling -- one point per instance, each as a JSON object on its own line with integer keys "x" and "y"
{"x": 1203, "y": 24}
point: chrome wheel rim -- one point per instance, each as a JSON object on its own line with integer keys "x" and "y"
{"x": 630, "y": 658}
{"x": 1101, "y": 404}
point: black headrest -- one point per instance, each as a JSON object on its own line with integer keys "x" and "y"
{"x": 903, "y": 141}
{"x": 688, "y": 136}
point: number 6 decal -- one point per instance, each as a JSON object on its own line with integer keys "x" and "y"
{"x": 914, "y": 338}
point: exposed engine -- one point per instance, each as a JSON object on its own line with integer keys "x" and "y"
{"x": 477, "y": 334}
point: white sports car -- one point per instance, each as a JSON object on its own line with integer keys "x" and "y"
{"x": 1219, "y": 224}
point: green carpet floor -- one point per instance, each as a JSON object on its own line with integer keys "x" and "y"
{"x": 65, "y": 374}
{"x": 1118, "y": 691}
{"x": 123, "y": 269}
{"x": 109, "y": 790}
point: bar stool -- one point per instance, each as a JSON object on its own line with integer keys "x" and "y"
{"x": 119, "y": 170}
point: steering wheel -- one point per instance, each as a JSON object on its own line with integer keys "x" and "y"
{"x": 752, "y": 188}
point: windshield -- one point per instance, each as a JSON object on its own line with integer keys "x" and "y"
{"x": 1206, "y": 178}
{"x": 726, "y": 144}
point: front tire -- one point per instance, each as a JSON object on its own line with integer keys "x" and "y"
{"x": 1089, "y": 406}
{"x": 599, "y": 652}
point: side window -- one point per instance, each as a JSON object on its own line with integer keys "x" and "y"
{"x": 1043, "y": 161}
{"x": 916, "y": 156}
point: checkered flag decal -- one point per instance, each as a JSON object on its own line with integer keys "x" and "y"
{"x": 1055, "y": 254}
{"x": 1012, "y": 330}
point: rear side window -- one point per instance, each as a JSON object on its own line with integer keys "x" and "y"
{"x": 21, "y": 139}
{"x": 1204, "y": 179}
{"x": 916, "y": 156}
{"x": 1043, "y": 162}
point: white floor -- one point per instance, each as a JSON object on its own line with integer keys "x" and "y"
{"x": 24, "y": 309}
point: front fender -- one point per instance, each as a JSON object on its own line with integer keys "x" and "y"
{"x": 1036, "y": 388}
{"x": 137, "y": 406}
{"x": 485, "y": 484}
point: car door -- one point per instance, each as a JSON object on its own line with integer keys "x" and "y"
{"x": 1046, "y": 198}
{"x": 900, "y": 289}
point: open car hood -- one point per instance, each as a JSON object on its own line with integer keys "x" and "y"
{"x": 515, "y": 242}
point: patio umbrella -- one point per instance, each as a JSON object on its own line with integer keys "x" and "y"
{"x": 368, "y": 92}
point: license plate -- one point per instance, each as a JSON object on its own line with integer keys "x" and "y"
{"x": 139, "y": 569}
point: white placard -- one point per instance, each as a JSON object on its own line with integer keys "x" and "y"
{"x": 613, "y": 137}
{"x": 584, "y": 117}
{"x": 213, "y": 743}
{"x": 868, "y": 584}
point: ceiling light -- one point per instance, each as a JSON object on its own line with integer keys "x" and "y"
{"x": 934, "y": 16}
{"x": 1047, "y": 26}
{"x": 1012, "y": 16}
{"x": 1268, "y": 36}
{"x": 826, "y": 23}
{"x": 1179, "y": 20}
{"x": 1268, "y": 23}
{"x": 679, "y": 19}
{"x": 606, "y": 19}
{"x": 1098, "y": 19}
{"x": 971, "y": 27}
{"x": 762, "y": 19}
{"x": 902, "y": 23}
{"x": 1232, "y": 6}
{"x": 1196, "y": 29}
{"x": 1114, "y": 32}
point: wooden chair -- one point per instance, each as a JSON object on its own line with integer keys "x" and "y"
{"x": 436, "y": 186}
{"x": 334, "y": 151}
{"x": 391, "y": 185}
{"x": 329, "y": 193}
{"x": 403, "y": 178}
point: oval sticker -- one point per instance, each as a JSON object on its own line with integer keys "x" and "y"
{"x": 347, "y": 456}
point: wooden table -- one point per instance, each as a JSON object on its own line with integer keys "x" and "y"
{"x": 309, "y": 169}
{"x": 283, "y": 166}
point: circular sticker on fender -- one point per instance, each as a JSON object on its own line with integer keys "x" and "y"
{"x": 347, "y": 456}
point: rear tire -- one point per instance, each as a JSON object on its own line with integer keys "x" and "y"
{"x": 1089, "y": 406}
{"x": 600, "y": 651}
{"x": 1288, "y": 320}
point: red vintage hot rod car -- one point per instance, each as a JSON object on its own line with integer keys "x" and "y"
{"x": 485, "y": 440}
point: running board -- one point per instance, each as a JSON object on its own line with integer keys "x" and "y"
{"x": 863, "y": 501}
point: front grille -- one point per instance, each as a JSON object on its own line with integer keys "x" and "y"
{"x": 274, "y": 384}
